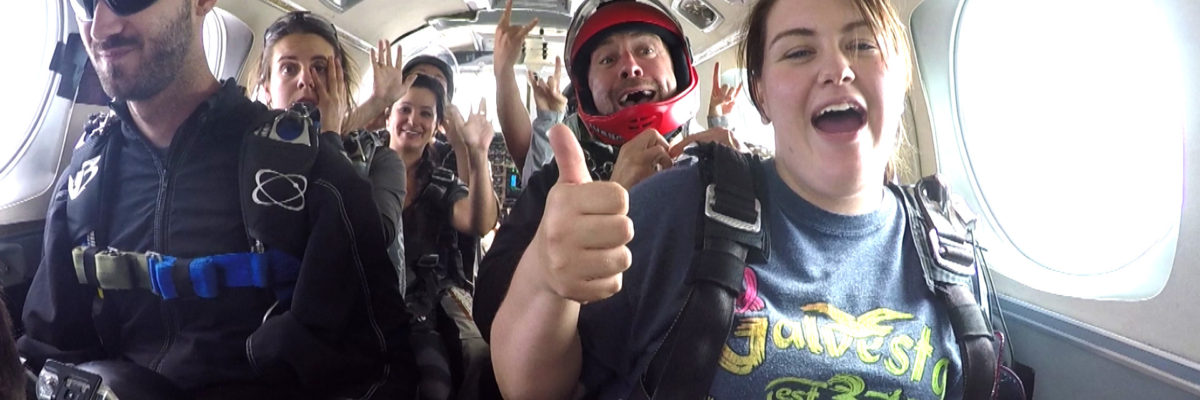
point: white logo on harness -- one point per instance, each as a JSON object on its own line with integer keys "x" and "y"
{"x": 87, "y": 171}
{"x": 276, "y": 189}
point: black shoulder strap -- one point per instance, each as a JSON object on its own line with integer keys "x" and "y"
{"x": 732, "y": 232}
{"x": 86, "y": 185}
{"x": 939, "y": 231}
{"x": 275, "y": 164}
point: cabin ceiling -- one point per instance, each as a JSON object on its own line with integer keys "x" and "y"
{"x": 467, "y": 26}
{"x": 370, "y": 20}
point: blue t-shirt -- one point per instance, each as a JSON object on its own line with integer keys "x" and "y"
{"x": 840, "y": 308}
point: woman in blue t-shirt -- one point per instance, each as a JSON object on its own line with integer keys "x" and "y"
{"x": 840, "y": 307}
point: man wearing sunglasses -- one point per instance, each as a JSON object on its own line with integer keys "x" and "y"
{"x": 184, "y": 240}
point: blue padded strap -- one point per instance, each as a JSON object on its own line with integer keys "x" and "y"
{"x": 271, "y": 270}
{"x": 160, "y": 276}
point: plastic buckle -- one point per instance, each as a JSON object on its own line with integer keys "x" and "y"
{"x": 710, "y": 198}
{"x": 113, "y": 270}
{"x": 442, "y": 175}
{"x": 428, "y": 261}
{"x": 953, "y": 255}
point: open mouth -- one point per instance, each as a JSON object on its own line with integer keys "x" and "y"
{"x": 840, "y": 117}
{"x": 636, "y": 97}
{"x": 307, "y": 99}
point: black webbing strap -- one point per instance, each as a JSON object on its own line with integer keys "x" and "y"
{"x": 939, "y": 233}
{"x": 974, "y": 342}
{"x": 685, "y": 368}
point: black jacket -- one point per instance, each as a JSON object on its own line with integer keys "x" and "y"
{"x": 345, "y": 332}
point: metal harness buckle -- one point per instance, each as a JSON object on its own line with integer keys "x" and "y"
{"x": 710, "y": 198}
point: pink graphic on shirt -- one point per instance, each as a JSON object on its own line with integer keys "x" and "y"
{"x": 749, "y": 300}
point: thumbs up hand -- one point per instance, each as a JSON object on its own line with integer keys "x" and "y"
{"x": 580, "y": 244}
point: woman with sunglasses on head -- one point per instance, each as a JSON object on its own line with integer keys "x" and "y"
{"x": 839, "y": 308}
{"x": 304, "y": 62}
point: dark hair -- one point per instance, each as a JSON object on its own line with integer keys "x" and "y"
{"x": 753, "y": 46}
{"x": 436, "y": 63}
{"x": 439, "y": 93}
{"x": 670, "y": 41}
{"x": 305, "y": 22}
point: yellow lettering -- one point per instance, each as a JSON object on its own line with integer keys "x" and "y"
{"x": 940, "y": 372}
{"x": 829, "y": 336}
{"x": 865, "y": 348}
{"x": 848, "y": 386}
{"x": 924, "y": 350}
{"x": 895, "y": 395}
{"x": 810, "y": 334}
{"x": 755, "y": 331}
{"x": 792, "y": 388}
{"x": 897, "y": 364}
{"x": 793, "y": 337}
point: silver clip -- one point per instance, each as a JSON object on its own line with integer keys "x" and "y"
{"x": 710, "y": 199}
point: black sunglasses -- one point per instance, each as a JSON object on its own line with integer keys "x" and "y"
{"x": 86, "y": 9}
{"x": 300, "y": 21}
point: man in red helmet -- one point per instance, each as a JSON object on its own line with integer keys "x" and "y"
{"x": 636, "y": 90}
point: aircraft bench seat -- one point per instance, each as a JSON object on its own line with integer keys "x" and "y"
{"x": 227, "y": 42}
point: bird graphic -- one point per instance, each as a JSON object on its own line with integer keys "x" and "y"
{"x": 863, "y": 326}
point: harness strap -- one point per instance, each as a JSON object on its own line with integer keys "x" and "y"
{"x": 685, "y": 368}
{"x": 947, "y": 257}
{"x": 175, "y": 277}
{"x": 975, "y": 342}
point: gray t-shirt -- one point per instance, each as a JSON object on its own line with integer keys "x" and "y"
{"x": 840, "y": 308}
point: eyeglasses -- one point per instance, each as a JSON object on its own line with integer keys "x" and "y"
{"x": 86, "y": 9}
{"x": 301, "y": 21}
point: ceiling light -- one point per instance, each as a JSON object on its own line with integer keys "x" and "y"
{"x": 699, "y": 13}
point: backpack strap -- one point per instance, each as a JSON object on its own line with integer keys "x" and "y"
{"x": 86, "y": 180}
{"x": 684, "y": 368}
{"x": 276, "y": 161}
{"x": 940, "y": 232}
{"x": 360, "y": 146}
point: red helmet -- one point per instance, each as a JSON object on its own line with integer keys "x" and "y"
{"x": 592, "y": 23}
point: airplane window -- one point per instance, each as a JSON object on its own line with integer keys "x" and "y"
{"x": 30, "y": 87}
{"x": 1071, "y": 127}
{"x": 744, "y": 119}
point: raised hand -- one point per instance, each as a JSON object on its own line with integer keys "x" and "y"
{"x": 723, "y": 97}
{"x": 580, "y": 243}
{"x": 475, "y": 131}
{"x": 387, "y": 84}
{"x": 333, "y": 103}
{"x": 547, "y": 95}
{"x": 508, "y": 41}
{"x": 639, "y": 158}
